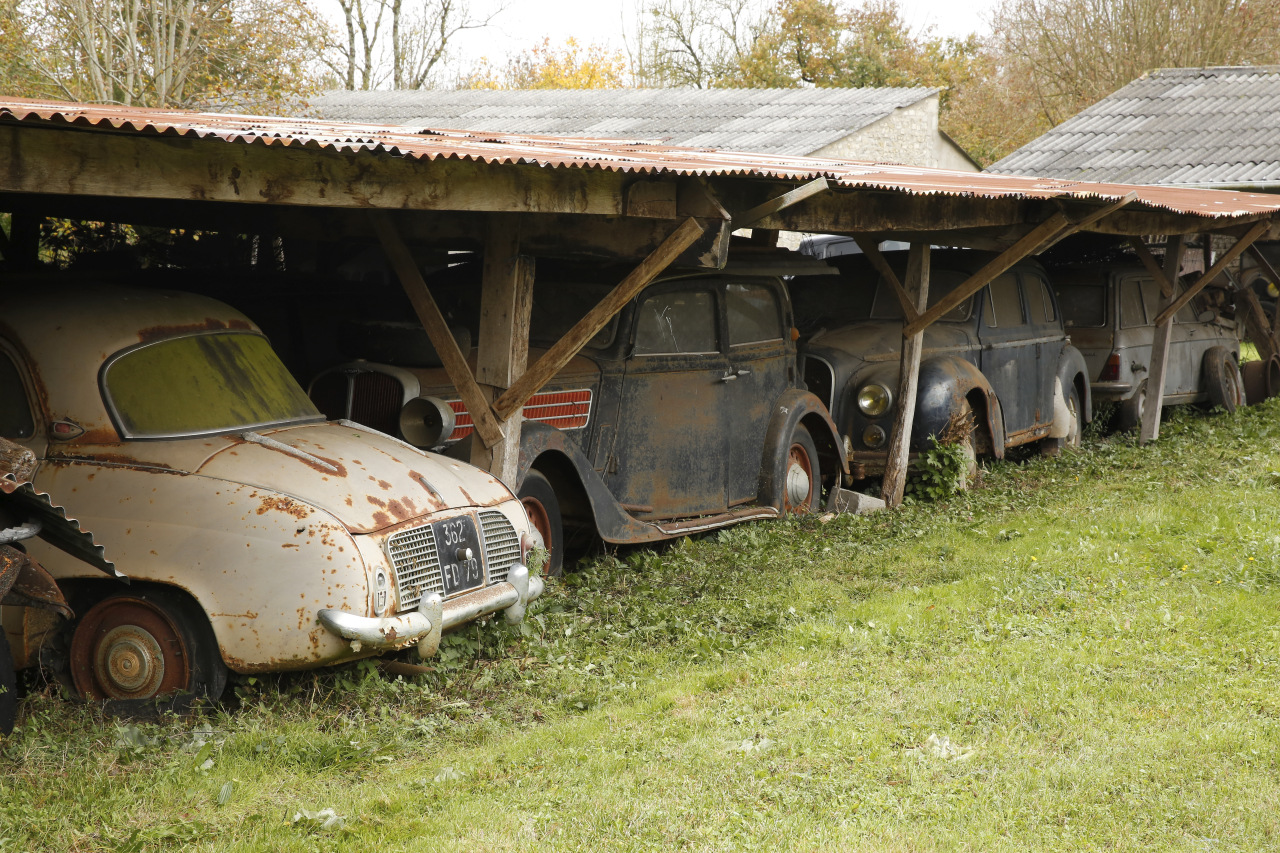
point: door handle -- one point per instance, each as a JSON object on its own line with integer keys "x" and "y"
{"x": 729, "y": 376}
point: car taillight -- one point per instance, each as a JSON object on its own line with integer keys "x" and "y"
{"x": 1111, "y": 372}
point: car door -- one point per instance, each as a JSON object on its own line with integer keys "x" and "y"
{"x": 762, "y": 366}
{"x": 1046, "y": 330}
{"x": 1008, "y": 360}
{"x": 671, "y": 444}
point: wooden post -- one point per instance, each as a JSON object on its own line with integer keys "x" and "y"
{"x": 506, "y": 300}
{"x": 895, "y": 469}
{"x": 1150, "y": 429}
{"x": 424, "y": 305}
{"x": 1275, "y": 279}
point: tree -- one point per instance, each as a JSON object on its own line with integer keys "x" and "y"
{"x": 545, "y": 66}
{"x": 401, "y": 42}
{"x": 168, "y": 53}
{"x": 1064, "y": 55}
{"x": 699, "y": 43}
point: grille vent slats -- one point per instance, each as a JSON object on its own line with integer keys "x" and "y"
{"x": 416, "y": 560}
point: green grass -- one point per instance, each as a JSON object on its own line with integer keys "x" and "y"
{"x": 1093, "y": 639}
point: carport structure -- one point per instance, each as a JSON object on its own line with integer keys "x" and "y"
{"x": 518, "y": 198}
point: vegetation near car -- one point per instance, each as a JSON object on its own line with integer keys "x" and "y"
{"x": 892, "y": 668}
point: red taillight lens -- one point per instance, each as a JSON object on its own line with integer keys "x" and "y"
{"x": 1111, "y": 372}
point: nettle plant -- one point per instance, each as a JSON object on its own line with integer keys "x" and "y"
{"x": 942, "y": 471}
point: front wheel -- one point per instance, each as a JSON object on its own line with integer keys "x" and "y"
{"x": 145, "y": 645}
{"x": 543, "y": 508}
{"x": 801, "y": 476}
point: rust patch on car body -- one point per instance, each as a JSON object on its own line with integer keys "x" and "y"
{"x": 285, "y": 504}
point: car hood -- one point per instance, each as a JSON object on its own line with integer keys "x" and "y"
{"x": 875, "y": 342}
{"x": 365, "y": 479}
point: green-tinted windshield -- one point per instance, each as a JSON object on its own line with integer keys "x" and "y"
{"x": 202, "y": 384}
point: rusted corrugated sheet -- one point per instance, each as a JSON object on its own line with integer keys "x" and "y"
{"x": 616, "y": 155}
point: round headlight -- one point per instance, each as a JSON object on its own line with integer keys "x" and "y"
{"x": 427, "y": 422}
{"x": 873, "y": 400}
{"x": 873, "y": 436}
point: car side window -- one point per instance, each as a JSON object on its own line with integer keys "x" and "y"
{"x": 15, "y": 411}
{"x": 682, "y": 321}
{"x": 1131, "y": 309}
{"x": 753, "y": 314}
{"x": 1004, "y": 305}
{"x": 1036, "y": 293}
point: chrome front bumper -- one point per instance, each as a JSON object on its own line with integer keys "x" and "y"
{"x": 435, "y": 615}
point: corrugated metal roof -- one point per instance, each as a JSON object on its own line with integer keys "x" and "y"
{"x": 745, "y": 119}
{"x": 613, "y": 155}
{"x": 1173, "y": 126}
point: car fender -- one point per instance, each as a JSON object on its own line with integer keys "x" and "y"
{"x": 945, "y": 384}
{"x": 797, "y": 408}
{"x": 1072, "y": 370}
{"x": 558, "y": 456}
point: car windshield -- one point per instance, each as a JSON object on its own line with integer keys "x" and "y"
{"x": 202, "y": 385}
{"x": 557, "y": 306}
{"x": 1083, "y": 305}
{"x": 828, "y": 301}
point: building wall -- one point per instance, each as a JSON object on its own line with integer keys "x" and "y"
{"x": 909, "y": 136}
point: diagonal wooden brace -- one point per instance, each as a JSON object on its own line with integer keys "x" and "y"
{"x": 424, "y": 305}
{"x": 1227, "y": 257}
{"x": 563, "y": 350}
{"x": 747, "y": 218}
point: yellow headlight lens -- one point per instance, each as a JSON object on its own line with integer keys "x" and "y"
{"x": 873, "y": 400}
{"x": 873, "y": 437}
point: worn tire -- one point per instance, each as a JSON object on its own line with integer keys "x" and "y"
{"x": 1129, "y": 412}
{"x": 801, "y": 475}
{"x": 1222, "y": 380}
{"x": 543, "y": 508}
{"x": 9, "y": 684}
{"x": 133, "y": 648}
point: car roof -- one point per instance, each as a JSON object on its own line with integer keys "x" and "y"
{"x": 64, "y": 335}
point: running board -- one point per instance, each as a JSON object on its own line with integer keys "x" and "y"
{"x": 711, "y": 522}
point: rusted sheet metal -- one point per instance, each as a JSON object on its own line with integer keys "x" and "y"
{"x": 56, "y": 527}
{"x": 636, "y": 156}
{"x": 25, "y": 583}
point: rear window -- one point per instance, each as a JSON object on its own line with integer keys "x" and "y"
{"x": 1083, "y": 305}
{"x": 202, "y": 385}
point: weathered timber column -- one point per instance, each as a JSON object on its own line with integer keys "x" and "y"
{"x": 917, "y": 288}
{"x": 506, "y": 300}
{"x": 1150, "y": 429}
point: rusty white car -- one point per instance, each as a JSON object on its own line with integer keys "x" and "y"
{"x": 254, "y": 534}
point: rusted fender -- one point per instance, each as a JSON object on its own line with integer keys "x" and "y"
{"x": 25, "y": 583}
{"x": 797, "y": 408}
{"x": 1072, "y": 370}
{"x": 945, "y": 385}
{"x": 543, "y": 446}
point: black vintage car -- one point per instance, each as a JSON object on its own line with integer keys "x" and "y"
{"x": 684, "y": 414}
{"x": 1000, "y": 356}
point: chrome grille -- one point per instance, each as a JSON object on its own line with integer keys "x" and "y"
{"x": 501, "y": 544}
{"x": 416, "y": 563}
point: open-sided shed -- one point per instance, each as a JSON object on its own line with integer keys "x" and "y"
{"x": 517, "y": 198}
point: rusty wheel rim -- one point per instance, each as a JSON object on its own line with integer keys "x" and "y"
{"x": 798, "y": 490}
{"x": 128, "y": 648}
{"x": 542, "y": 523}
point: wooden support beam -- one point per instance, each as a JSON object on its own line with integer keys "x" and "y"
{"x": 871, "y": 248}
{"x": 978, "y": 280}
{"x": 1255, "y": 320}
{"x": 506, "y": 302}
{"x": 424, "y": 305}
{"x": 782, "y": 202}
{"x": 1149, "y": 430}
{"x": 563, "y": 350}
{"x": 895, "y": 468}
{"x": 1227, "y": 257}
{"x": 1082, "y": 224}
{"x": 1153, "y": 267}
{"x": 1270, "y": 270}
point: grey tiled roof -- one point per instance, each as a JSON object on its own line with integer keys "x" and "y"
{"x": 1176, "y": 126}
{"x": 768, "y": 121}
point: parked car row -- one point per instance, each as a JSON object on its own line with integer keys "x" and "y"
{"x": 263, "y": 527}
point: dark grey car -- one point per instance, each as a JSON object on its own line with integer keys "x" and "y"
{"x": 1001, "y": 356}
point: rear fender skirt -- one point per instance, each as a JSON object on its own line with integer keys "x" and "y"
{"x": 796, "y": 407}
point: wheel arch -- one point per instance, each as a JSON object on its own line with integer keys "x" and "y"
{"x": 797, "y": 408}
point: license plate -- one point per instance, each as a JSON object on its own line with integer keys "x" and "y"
{"x": 461, "y": 558}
